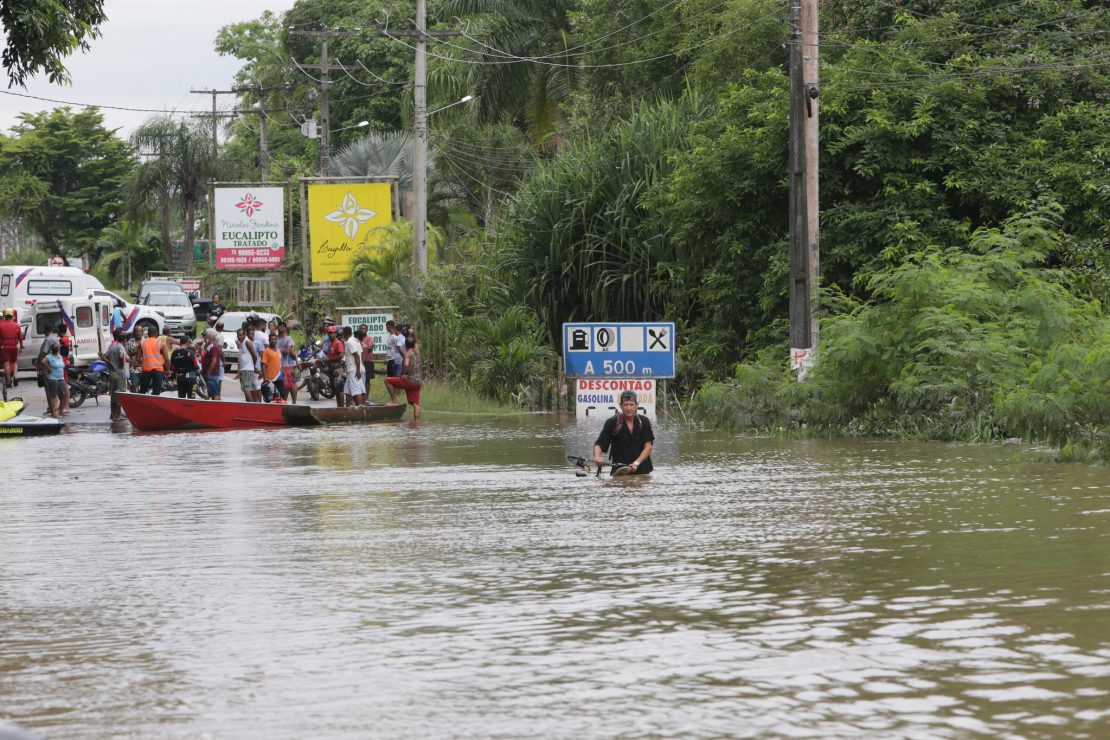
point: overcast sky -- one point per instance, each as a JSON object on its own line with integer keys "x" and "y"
{"x": 150, "y": 54}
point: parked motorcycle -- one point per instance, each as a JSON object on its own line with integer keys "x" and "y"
{"x": 314, "y": 378}
{"x": 87, "y": 382}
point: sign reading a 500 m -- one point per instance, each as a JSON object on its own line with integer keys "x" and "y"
{"x": 619, "y": 350}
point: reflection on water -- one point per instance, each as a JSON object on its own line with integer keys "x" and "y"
{"x": 456, "y": 578}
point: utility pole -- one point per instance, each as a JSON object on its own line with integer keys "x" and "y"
{"x": 215, "y": 111}
{"x": 420, "y": 148}
{"x": 324, "y": 67}
{"x": 804, "y": 225}
{"x": 263, "y": 143}
{"x": 420, "y": 137}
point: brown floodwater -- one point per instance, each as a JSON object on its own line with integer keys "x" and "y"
{"x": 456, "y": 579}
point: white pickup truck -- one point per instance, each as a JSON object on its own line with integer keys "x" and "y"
{"x": 134, "y": 315}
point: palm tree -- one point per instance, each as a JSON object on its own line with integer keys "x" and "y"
{"x": 508, "y": 85}
{"x": 127, "y": 247}
{"x": 179, "y": 159}
{"x": 378, "y": 154}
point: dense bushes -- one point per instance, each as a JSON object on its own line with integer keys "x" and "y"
{"x": 978, "y": 343}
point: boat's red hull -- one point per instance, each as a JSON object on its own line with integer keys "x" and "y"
{"x": 162, "y": 413}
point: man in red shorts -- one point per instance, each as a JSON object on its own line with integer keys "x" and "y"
{"x": 11, "y": 344}
{"x": 411, "y": 378}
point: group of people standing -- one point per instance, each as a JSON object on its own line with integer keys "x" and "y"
{"x": 267, "y": 361}
{"x": 349, "y": 357}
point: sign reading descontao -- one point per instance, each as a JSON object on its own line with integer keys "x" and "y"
{"x": 600, "y": 397}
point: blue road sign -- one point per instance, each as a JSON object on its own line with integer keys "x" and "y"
{"x": 619, "y": 350}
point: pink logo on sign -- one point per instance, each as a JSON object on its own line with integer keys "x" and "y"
{"x": 249, "y": 204}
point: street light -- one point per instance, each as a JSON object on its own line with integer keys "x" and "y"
{"x": 360, "y": 124}
{"x": 452, "y": 105}
{"x": 420, "y": 168}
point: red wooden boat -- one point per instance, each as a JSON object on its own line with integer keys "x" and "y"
{"x": 162, "y": 413}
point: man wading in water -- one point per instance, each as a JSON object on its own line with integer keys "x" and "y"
{"x": 631, "y": 437}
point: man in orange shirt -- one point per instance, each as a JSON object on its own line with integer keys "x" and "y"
{"x": 271, "y": 370}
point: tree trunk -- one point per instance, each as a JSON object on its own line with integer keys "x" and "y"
{"x": 164, "y": 225}
{"x": 190, "y": 234}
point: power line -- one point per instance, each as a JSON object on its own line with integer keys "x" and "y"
{"x": 171, "y": 112}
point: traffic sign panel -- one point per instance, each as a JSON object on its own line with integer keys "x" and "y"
{"x": 619, "y": 350}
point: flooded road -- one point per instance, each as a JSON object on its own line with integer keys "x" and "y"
{"x": 457, "y": 579}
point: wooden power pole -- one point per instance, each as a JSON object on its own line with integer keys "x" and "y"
{"x": 324, "y": 68}
{"x": 804, "y": 225}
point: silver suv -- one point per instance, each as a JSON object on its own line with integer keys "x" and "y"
{"x": 177, "y": 310}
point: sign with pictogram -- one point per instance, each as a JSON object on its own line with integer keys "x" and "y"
{"x": 619, "y": 350}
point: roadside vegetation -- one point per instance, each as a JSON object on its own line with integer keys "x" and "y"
{"x": 626, "y": 160}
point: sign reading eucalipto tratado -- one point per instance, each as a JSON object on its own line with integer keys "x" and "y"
{"x": 250, "y": 228}
{"x": 344, "y": 220}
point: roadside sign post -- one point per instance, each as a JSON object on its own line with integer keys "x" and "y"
{"x": 604, "y": 357}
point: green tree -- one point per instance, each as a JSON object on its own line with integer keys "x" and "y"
{"x": 129, "y": 248}
{"x": 518, "y": 61}
{"x": 64, "y": 174}
{"x": 179, "y": 159}
{"x": 40, "y": 34}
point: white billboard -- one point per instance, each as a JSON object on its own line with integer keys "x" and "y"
{"x": 250, "y": 228}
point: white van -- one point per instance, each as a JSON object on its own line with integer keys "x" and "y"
{"x": 23, "y": 285}
{"x": 88, "y": 321}
{"x": 44, "y": 297}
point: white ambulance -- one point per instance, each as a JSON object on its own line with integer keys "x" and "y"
{"x": 44, "y": 297}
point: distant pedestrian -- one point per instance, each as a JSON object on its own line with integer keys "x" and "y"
{"x": 367, "y": 340}
{"x": 154, "y": 364}
{"x": 212, "y": 364}
{"x": 183, "y": 360}
{"x": 216, "y": 310}
{"x": 134, "y": 347}
{"x": 271, "y": 370}
{"x": 412, "y": 377}
{"x": 355, "y": 389}
{"x": 286, "y": 347}
{"x": 54, "y": 374}
{"x": 118, "y": 364}
{"x": 248, "y": 364}
{"x": 11, "y": 344}
{"x": 334, "y": 366}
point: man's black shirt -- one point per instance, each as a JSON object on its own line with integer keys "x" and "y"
{"x": 627, "y": 445}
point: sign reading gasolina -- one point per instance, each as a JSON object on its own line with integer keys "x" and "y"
{"x": 600, "y": 397}
{"x": 342, "y": 221}
{"x": 250, "y": 228}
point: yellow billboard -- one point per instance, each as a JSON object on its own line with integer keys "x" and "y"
{"x": 341, "y": 222}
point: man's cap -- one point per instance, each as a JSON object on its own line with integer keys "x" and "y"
{"x": 8, "y": 312}
{"x": 628, "y": 396}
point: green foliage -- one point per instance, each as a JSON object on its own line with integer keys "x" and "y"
{"x": 27, "y": 256}
{"x": 581, "y": 241}
{"x": 40, "y": 34}
{"x": 526, "y": 94}
{"x": 128, "y": 250}
{"x": 63, "y": 174}
{"x": 180, "y": 159}
{"x": 972, "y": 344}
